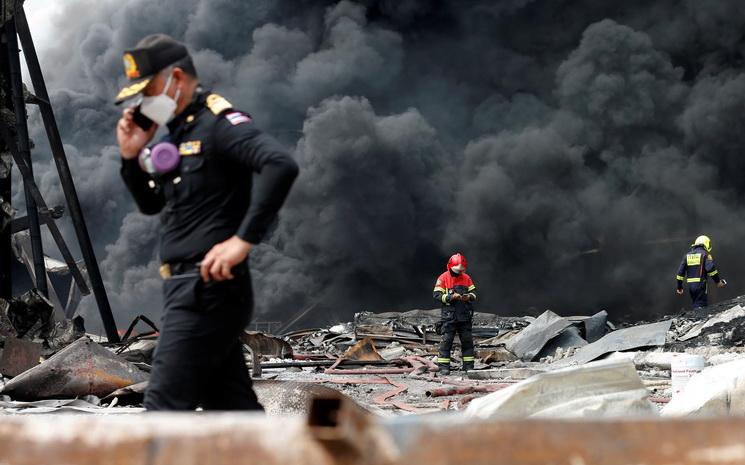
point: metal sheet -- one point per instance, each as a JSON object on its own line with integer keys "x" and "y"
{"x": 529, "y": 342}
{"x": 624, "y": 339}
{"x": 80, "y": 369}
{"x": 418, "y": 324}
{"x": 18, "y": 356}
{"x": 567, "y": 339}
{"x": 277, "y": 397}
{"x": 291, "y": 397}
{"x": 603, "y": 389}
{"x": 31, "y": 314}
{"x": 595, "y": 326}
{"x": 129, "y": 395}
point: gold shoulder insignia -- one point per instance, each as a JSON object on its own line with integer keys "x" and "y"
{"x": 217, "y": 104}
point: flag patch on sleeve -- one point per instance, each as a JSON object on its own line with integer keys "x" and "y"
{"x": 237, "y": 117}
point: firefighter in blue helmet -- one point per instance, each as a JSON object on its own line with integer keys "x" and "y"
{"x": 695, "y": 269}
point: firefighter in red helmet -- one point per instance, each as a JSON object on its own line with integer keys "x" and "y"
{"x": 456, "y": 292}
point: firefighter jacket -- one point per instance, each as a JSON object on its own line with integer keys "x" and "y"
{"x": 697, "y": 265}
{"x": 448, "y": 284}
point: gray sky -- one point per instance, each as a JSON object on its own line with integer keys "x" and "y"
{"x": 40, "y": 15}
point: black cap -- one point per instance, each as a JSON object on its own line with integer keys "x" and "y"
{"x": 151, "y": 55}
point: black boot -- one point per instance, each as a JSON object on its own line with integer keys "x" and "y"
{"x": 467, "y": 366}
{"x": 444, "y": 369}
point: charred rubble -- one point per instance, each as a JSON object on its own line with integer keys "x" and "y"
{"x": 382, "y": 361}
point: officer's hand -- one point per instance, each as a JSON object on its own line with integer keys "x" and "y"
{"x": 132, "y": 138}
{"x": 455, "y": 297}
{"x": 466, "y": 298}
{"x": 223, "y": 257}
{"x": 722, "y": 283}
{"x": 679, "y": 291}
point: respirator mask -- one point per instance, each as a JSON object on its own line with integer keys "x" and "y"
{"x": 160, "y": 108}
{"x": 163, "y": 157}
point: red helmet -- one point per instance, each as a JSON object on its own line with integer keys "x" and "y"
{"x": 457, "y": 263}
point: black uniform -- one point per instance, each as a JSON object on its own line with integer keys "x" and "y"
{"x": 456, "y": 316}
{"x": 208, "y": 199}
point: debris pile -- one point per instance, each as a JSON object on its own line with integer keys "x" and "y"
{"x": 544, "y": 366}
{"x": 513, "y": 354}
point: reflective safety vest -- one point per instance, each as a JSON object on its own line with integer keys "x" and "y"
{"x": 448, "y": 284}
{"x": 696, "y": 266}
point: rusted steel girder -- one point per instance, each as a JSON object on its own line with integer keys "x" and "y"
{"x": 718, "y": 441}
{"x": 338, "y": 432}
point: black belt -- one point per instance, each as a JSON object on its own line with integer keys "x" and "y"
{"x": 169, "y": 270}
{"x": 191, "y": 269}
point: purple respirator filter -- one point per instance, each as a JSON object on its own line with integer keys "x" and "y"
{"x": 161, "y": 159}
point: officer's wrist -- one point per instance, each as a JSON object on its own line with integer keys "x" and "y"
{"x": 129, "y": 155}
{"x": 244, "y": 244}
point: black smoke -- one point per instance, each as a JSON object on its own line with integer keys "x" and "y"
{"x": 571, "y": 149}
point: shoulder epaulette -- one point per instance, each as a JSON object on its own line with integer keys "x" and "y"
{"x": 218, "y": 104}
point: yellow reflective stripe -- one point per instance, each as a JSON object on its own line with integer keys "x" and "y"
{"x": 443, "y": 360}
{"x": 440, "y": 289}
{"x": 693, "y": 259}
{"x": 444, "y": 298}
{"x": 713, "y": 272}
{"x": 680, "y": 278}
{"x": 468, "y": 358}
{"x": 693, "y": 280}
{"x": 471, "y": 288}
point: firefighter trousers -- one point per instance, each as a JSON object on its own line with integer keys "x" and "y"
{"x": 465, "y": 334}
{"x": 699, "y": 295}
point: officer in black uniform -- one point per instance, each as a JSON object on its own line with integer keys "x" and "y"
{"x": 199, "y": 178}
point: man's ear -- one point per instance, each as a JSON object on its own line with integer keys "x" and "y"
{"x": 179, "y": 75}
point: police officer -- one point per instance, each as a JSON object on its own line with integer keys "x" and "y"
{"x": 199, "y": 178}
{"x": 695, "y": 269}
{"x": 456, "y": 292}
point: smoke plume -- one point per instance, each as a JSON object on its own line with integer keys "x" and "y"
{"x": 570, "y": 149}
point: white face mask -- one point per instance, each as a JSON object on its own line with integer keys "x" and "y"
{"x": 160, "y": 108}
